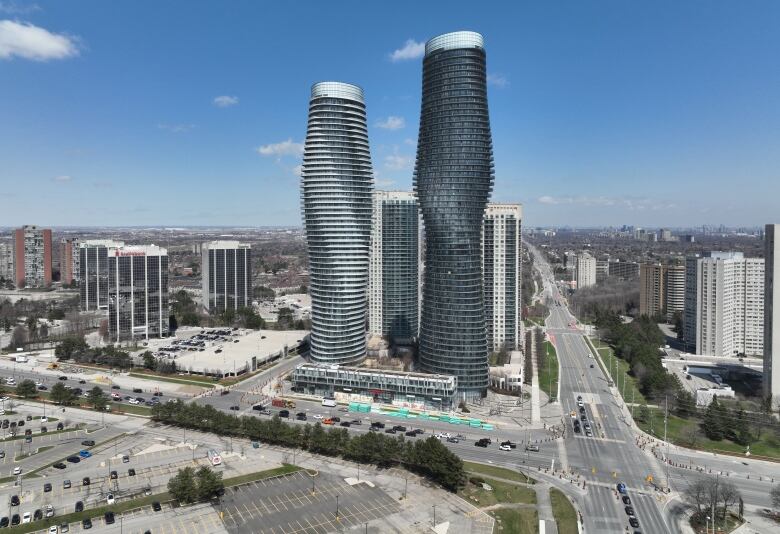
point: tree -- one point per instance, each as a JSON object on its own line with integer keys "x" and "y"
{"x": 182, "y": 487}
{"x": 103, "y": 331}
{"x": 284, "y": 319}
{"x": 714, "y": 421}
{"x": 209, "y": 483}
{"x": 697, "y": 493}
{"x": 644, "y": 413}
{"x": 729, "y": 495}
{"x": 150, "y": 362}
{"x": 32, "y": 326}
{"x": 27, "y": 389}
{"x": 70, "y": 346}
{"x": 97, "y": 398}
{"x": 43, "y": 332}
{"x": 19, "y": 337}
{"x": 59, "y": 394}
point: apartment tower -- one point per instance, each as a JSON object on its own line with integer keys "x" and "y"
{"x": 336, "y": 191}
{"x": 137, "y": 293}
{"x": 393, "y": 301}
{"x": 226, "y": 272}
{"x": 32, "y": 257}
{"x": 69, "y": 260}
{"x": 501, "y": 265}
{"x": 586, "y": 270}
{"x": 453, "y": 179}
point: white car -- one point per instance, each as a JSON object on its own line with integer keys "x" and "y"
{"x": 110, "y": 499}
{"x": 317, "y": 416}
{"x": 49, "y": 511}
{"x": 38, "y": 383}
{"x": 27, "y": 517}
{"x": 53, "y": 529}
{"x": 504, "y": 448}
{"x": 17, "y": 470}
{"x": 2, "y": 412}
{"x": 133, "y": 401}
{"x": 44, "y": 419}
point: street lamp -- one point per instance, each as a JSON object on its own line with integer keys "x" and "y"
{"x": 337, "y": 507}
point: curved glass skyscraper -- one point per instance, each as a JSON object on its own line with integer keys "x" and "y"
{"x": 453, "y": 179}
{"x": 336, "y": 196}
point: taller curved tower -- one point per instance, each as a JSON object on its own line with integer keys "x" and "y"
{"x": 336, "y": 197}
{"x": 453, "y": 179}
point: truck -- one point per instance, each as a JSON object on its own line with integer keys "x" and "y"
{"x": 282, "y": 403}
{"x": 329, "y": 402}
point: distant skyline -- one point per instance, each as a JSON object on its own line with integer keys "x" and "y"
{"x": 193, "y": 114}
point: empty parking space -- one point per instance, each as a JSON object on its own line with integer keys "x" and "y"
{"x": 300, "y": 503}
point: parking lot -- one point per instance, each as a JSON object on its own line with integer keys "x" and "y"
{"x": 303, "y": 503}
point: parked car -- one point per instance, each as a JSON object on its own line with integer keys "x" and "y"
{"x": 66, "y": 483}
{"x": 125, "y": 459}
{"x": 110, "y": 499}
{"x": 79, "y": 506}
{"x": 114, "y": 475}
{"x": 15, "y": 520}
{"x": 14, "y": 500}
{"x": 85, "y": 481}
{"x": 131, "y": 472}
{"x": 26, "y": 517}
{"x": 47, "y": 487}
{"x": 156, "y": 506}
{"x": 86, "y": 524}
{"x": 109, "y": 518}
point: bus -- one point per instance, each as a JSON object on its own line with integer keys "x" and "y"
{"x": 214, "y": 457}
{"x": 331, "y": 403}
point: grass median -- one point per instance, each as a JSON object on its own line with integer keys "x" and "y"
{"x": 519, "y": 520}
{"x": 548, "y": 373}
{"x": 201, "y": 381}
{"x": 564, "y": 513}
{"x": 497, "y": 472}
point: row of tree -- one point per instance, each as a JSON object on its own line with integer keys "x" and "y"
{"x": 428, "y": 457}
{"x": 60, "y": 394}
{"x": 76, "y": 349}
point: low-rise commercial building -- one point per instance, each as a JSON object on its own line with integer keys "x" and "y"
{"x": 400, "y": 388}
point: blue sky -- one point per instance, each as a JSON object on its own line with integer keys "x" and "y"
{"x": 610, "y": 112}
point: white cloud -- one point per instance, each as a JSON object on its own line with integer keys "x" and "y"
{"x": 285, "y": 148}
{"x": 175, "y": 128}
{"x": 385, "y": 183}
{"x": 225, "y": 101}
{"x": 26, "y": 41}
{"x": 497, "y": 80}
{"x": 391, "y": 123}
{"x": 411, "y": 142}
{"x": 12, "y": 8}
{"x": 398, "y": 162}
{"x": 62, "y": 178}
{"x": 298, "y": 170}
{"x": 631, "y": 203}
{"x": 411, "y": 50}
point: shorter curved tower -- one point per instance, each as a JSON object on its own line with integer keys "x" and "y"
{"x": 336, "y": 197}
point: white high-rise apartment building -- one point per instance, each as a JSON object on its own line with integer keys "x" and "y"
{"x": 393, "y": 287}
{"x": 7, "y": 261}
{"x": 772, "y": 319}
{"x": 675, "y": 290}
{"x": 586, "y": 270}
{"x": 501, "y": 265}
{"x": 729, "y": 304}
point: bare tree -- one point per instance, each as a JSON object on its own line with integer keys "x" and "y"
{"x": 697, "y": 494}
{"x": 19, "y": 337}
{"x": 729, "y": 495}
{"x": 775, "y": 494}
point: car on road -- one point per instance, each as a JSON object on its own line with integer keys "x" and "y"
{"x": 110, "y": 499}
{"x": 2, "y": 454}
{"x": 131, "y": 472}
{"x": 42, "y": 388}
{"x": 85, "y": 453}
{"x": 79, "y": 506}
{"x": 74, "y": 459}
{"x": 359, "y": 423}
{"x": 504, "y": 448}
{"x": 629, "y": 510}
{"x": 345, "y": 423}
{"x": 626, "y": 499}
{"x": 318, "y": 417}
{"x": 621, "y": 488}
{"x": 377, "y": 424}
{"x": 258, "y": 407}
{"x": 410, "y": 433}
{"x": 88, "y": 443}
{"x": 390, "y": 431}
{"x": 532, "y": 448}
{"x": 86, "y": 523}
{"x": 399, "y": 428}
{"x": 580, "y": 404}
{"x": 85, "y": 481}
{"x": 47, "y": 487}
{"x": 133, "y": 401}
{"x": 634, "y": 522}
{"x": 114, "y": 387}
{"x": 14, "y": 500}
{"x": 481, "y": 443}
{"x": 116, "y": 396}
{"x": 62, "y": 378}
{"x": 59, "y": 465}
{"x": 511, "y": 444}
{"x": 300, "y": 416}
{"x": 156, "y": 506}
{"x": 114, "y": 475}
{"x": 109, "y": 518}
{"x": 125, "y": 459}
{"x": 66, "y": 483}
{"x": 17, "y": 470}
{"x": 138, "y": 390}
{"x": 284, "y": 413}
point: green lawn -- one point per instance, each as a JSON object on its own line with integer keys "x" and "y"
{"x": 686, "y": 432}
{"x": 564, "y": 512}
{"x": 192, "y": 380}
{"x": 130, "y": 409}
{"x": 548, "y": 375}
{"x": 502, "y": 492}
{"x": 523, "y": 520}
{"x": 251, "y": 477}
{"x": 618, "y": 371}
{"x": 498, "y": 472}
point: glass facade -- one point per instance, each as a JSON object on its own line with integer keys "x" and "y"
{"x": 93, "y": 273}
{"x": 336, "y": 189}
{"x": 138, "y": 293}
{"x": 227, "y": 275}
{"x": 453, "y": 180}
